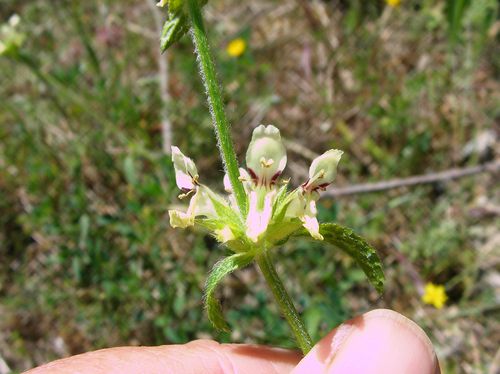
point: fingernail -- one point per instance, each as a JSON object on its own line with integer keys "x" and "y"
{"x": 383, "y": 341}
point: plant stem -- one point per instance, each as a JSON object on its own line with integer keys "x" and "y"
{"x": 221, "y": 124}
{"x": 284, "y": 301}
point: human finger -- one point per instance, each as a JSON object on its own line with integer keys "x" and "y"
{"x": 200, "y": 356}
{"x": 380, "y": 341}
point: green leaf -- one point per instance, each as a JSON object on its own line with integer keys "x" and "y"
{"x": 173, "y": 29}
{"x": 220, "y": 270}
{"x": 455, "y": 11}
{"x": 355, "y": 246}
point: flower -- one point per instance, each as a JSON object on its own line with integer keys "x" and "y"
{"x": 266, "y": 155}
{"x": 435, "y": 295}
{"x": 186, "y": 177}
{"x": 321, "y": 174}
{"x": 236, "y": 47}
{"x": 11, "y": 39}
{"x": 393, "y": 3}
{"x": 273, "y": 212}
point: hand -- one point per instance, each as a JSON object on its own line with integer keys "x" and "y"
{"x": 380, "y": 341}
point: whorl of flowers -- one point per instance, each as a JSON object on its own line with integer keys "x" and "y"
{"x": 273, "y": 212}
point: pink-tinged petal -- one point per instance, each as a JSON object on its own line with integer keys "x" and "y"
{"x": 186, "y": 174}
{"x": 259, "y": 216}
{"x": 309, "y": 220}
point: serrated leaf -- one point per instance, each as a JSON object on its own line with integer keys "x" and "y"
{"x": 173, "y": 29}
{"x": 220, "y": 270}
{"x": 356, "y": 247}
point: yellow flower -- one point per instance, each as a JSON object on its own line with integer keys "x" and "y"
{"x": 435, "y": 295}
{"x": 236, "y": 47}
{"x": 393, "y": 3}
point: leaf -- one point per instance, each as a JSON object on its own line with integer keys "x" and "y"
{"x": 356, "y": 247}
{"x": 220, "y": 270}
{"x": 173, "y": 29}
{"x": 455, "y": 11}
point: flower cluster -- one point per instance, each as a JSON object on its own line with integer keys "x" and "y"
{"x": 273, "y": 212}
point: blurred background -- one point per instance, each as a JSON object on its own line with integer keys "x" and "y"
{"x": 88, "y": 109}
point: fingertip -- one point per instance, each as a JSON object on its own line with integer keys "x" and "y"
{"x": 380, "y": 341}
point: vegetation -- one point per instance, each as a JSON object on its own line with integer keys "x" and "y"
{"x": 87, "y": 257}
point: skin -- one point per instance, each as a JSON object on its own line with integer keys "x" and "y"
{"x": 380, "y": 341}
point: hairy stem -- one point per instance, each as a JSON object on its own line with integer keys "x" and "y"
{"x": 285, "y": 302}
{"x": 221, "y": 124}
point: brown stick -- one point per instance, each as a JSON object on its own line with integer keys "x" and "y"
{"x": 490, "y": 167}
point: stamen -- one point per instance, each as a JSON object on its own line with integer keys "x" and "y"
{"x": 195, "y": 180}
{"x": 266, "y": 163}
{"x": 184, "y": 195}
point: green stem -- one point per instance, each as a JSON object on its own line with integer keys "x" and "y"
{"x": 285, "y": 302}
{"x": 221, "y": 124}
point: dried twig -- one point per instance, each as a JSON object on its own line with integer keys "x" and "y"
{"x": 490, "y": 167}
{"x": 166, "y": 125}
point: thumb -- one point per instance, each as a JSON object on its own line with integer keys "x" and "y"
{"x": 380, "y": 341}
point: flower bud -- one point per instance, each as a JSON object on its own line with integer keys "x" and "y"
{"x": 266, "y": 155}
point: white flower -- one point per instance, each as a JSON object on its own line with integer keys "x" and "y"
{"x": 321, "y": 174}
{"x": 202, "y": 197}
{"x": 323, "y": 170}
{"x": 200, "y": 205}
{"x": 11, "y": 39}
{"x": 266, "y": 155}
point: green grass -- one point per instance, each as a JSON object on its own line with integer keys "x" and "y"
{"x": 86, "y": 252}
